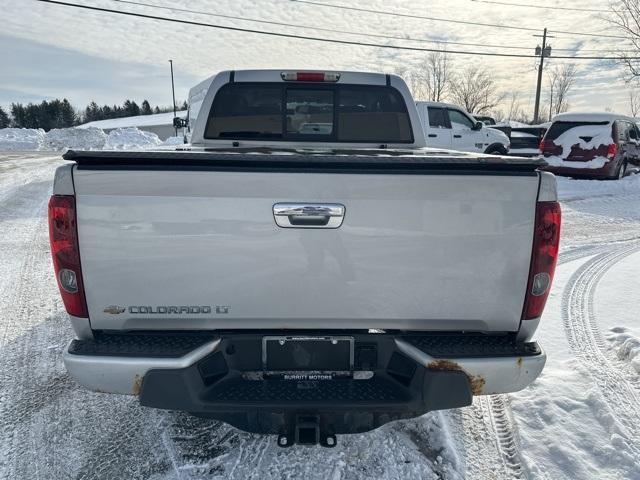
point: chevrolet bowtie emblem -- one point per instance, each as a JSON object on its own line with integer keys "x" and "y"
{"x": 114, "y": 309}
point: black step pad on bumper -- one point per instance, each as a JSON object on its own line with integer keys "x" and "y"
{"x": 146, "y": 345}
{"x": 472, "y": 346}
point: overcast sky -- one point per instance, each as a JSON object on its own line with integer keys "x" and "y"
{"x": 49, "y": 51}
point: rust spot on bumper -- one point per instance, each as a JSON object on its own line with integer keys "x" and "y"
{"x": 137, "y": 385}
{"x": 444, "y": 365}
{"x": 476, "y": 382}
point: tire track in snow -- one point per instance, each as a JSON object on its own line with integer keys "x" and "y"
{"x": 478, "y": 441}
{"x": 588, "y": 344}
{"x": 507, "y": 434}
{"x": 492, "y": 416}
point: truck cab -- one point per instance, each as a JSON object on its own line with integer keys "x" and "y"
{"x": 293, "y": 109}
{"x": 451, "y": 127}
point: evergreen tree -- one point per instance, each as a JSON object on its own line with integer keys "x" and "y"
{"x": 92, "y": 112}
{"x": 105, "y": 112}
{"x": 156, "y": 110}
{"x": 18, "y": 114}
{"x": 4, "y": 119}
{"x": 185, "y": 106}
{"x": 131, "y": 108}
{"x": 146, "y": 108}
{"x": 67, "y": 113}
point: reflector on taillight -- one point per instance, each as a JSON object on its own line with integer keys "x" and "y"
{"x": 612, "y": 149}
{"x": 310, "y": 76}
{"x": 63, "y": 236}
{"x": 546, "y": 245}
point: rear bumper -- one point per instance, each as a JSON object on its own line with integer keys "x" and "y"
{"x": 608, "y": 170}
{"x": 397, "y": 376}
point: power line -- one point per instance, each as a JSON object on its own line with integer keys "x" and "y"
{"x": 410, "y": 15}
{"x": 448, "y": 20}
{"x": 322, "y": 29}
{"x": 304, "y": 37}
{"x": 555, "y": 7}
{"x": 332, "y": 30}
{"x": 368, "y": 34}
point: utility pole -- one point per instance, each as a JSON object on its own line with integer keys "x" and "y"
{"x": 545, "y": 51}
{"x": 173, "y": 94}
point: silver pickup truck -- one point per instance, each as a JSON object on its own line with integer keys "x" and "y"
{"x": 305, "y": 268}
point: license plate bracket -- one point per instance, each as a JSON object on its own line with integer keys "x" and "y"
{"x": 307, "y": 353}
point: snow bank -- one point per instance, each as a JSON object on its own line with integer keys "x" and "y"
{"x": 599, "y": 135}
{"x": 21, "y": 139}
{"x": 80, "y": 139}
{"x": 74, "y": 138}
{"x": 626, "y": 345}
{"x": 131, "y": 139}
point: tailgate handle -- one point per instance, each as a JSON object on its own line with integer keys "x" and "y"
{"x": 308, "y": 215}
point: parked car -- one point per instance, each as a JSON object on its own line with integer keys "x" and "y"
{"x": 491, "y": 123}
{"x": 593, "y": 145}
{"x": 525, "y": 140}
{"x": 306, "y": 268}
{"x": 451, "y": 127}
{"x": 488, "y": 121}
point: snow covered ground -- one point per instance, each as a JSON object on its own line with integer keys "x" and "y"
{"x": 580, "y": 420}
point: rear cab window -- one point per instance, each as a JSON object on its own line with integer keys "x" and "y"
{"x": 287, "y": 112}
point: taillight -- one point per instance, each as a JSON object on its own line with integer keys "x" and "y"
{"x": 612, "y": 149}
{"x": 541, "y": 147}
{"x": 546, "y": 244}
{"x": 63, "y": 236}
{"x": 310, "y": 76}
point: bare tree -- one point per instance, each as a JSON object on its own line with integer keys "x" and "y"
{"x": 515, "y": 111}
{"x": 438, "y": 75}
{"x": 561, "y": 80}
{"x": 416, "y": 82}
{"x": 475, "y": 89}
{"x": 625, "y": 17}
{"x": 430, "y": 80}
{"x": 418, "y": 85}
{"x": 634, "y": 103}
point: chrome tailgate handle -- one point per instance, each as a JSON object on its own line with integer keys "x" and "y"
{"x": 308, "y": 215}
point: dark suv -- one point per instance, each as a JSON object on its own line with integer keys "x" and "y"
{"x": 591, "y": 145}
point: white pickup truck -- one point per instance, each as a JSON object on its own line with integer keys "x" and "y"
{"x": 304, "y": 269}
{"x": 451, "y": 126}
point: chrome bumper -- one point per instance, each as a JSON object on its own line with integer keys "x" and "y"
{"x": 112, "y": 374}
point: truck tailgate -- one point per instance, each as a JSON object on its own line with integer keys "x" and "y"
{"x": 200, "y": 249}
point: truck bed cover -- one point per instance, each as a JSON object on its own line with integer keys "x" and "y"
{"x": 265, "y": 159}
